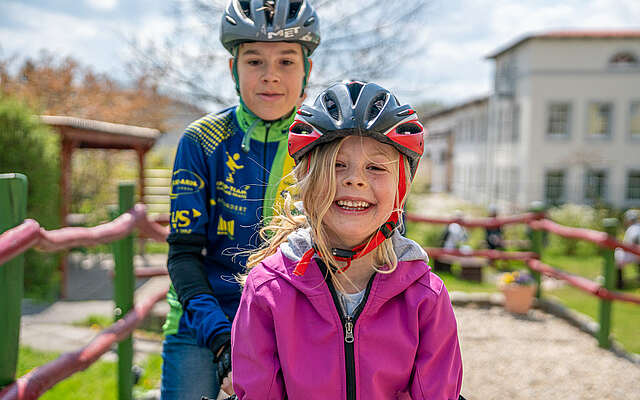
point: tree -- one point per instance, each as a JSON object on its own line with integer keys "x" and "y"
{"x": 365, "y": 39}
{"x": 55, "y": 86}
{"x": 31, "y": 149}
{"x": 61, "y": 86}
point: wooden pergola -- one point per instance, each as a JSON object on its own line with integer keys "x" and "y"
{"x": 78, "y": 133}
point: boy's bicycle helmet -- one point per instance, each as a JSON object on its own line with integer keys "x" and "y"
{"x": 359, "y": 109}
{"x": 270, "y": 21}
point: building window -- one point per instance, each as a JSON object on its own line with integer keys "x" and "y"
{"x": 554, "y": 187}
{"x": 623, "y": 59}
{"x": 595, "y": 185}
{"x": 515, "y": 128}
{"x": 558, "y": 119}
{"x": 600, "y": 116}
{"x": 634, "y": 120}
{"x": 633, "y": 185}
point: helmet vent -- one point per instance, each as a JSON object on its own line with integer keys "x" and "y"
{"x": 245, "y": 6}
{"x": 408, "y": 129}
{"x": 302, "y": 129}
{"x": 294, "y": 7}
{"x": 269, "y": 9}
{"x": 376, "y": 106}
{"x": 230, "y": 20}
{"x": 332, "y": 107}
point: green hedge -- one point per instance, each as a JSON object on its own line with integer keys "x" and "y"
{"x": 30, "y": 148}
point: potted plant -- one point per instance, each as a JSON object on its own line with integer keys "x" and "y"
{"x": 518, "y": 288}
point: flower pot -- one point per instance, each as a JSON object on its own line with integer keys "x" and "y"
{"x": 518, "y": 298}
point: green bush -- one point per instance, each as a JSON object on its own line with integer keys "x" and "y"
{"x": 30, "y": 148}
{"x": 577, "y": 216}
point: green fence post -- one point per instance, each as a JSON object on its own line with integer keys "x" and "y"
{"x": 537, "y": 244}
{"x": 610, "y": 226}
{"x": 124, "y": 286}
{"x": 13, "y": 209}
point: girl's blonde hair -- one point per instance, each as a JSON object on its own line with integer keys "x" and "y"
{"x": 312, "y": 173}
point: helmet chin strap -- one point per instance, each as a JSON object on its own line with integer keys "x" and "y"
{"x": 383, "y": 233}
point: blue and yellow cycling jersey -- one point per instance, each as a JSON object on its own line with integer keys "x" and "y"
{"x": 223, "y": 192}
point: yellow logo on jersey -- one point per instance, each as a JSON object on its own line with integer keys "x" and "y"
{"x": 233, "y": 166}
{"x": 226, "y": 227}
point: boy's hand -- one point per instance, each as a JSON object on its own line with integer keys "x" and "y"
{"x": 227, "y": 386}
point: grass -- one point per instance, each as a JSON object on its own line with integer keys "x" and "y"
{"x": 98, "y": 382}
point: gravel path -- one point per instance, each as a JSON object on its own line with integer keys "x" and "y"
{"x": 537, "y": 357}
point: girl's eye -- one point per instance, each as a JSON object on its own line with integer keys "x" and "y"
{"x": 340, "y": 164}
{"x": 377, "y": 168}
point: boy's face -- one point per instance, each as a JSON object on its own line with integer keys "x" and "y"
{"x": 270, "y": 77}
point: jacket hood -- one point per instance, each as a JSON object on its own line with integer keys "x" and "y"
{"x": 412, "y": 267}
{"x": 300, "y": 241}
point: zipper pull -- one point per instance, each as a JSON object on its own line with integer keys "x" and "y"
{"x": 348, "y": 330}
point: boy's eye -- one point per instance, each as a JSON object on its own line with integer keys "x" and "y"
{"x": 253, "y": 62}
{"x": 288, "y": 62}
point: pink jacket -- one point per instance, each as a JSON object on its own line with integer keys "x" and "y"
{"x": 288, "y": 339}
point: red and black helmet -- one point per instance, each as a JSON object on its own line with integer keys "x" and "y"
{"x": 357, "y": 109}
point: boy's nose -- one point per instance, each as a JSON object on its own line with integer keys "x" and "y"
{"x": 270, "y": 74}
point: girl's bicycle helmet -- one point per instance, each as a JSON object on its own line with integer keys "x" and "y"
{"x": 359, "y": 109}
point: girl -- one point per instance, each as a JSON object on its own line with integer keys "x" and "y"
{"x": 337, "y": 304}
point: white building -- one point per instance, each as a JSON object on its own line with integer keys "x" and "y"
{"x": 562, "y": 125}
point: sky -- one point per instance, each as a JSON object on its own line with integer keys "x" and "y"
{"x": 455, "y": 35}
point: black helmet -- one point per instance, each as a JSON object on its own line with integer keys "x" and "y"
{"x": 270, "y": 21}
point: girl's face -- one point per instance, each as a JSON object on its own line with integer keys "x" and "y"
{"x": 271, "y": 76}
{"x": 366, "y": 187}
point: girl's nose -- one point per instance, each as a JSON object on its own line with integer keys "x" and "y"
{"x": 355, "y": 178}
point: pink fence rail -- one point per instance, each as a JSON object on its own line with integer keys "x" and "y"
{"x": 29, "y": 234}
{"x": 537, "y": 222}
{"x": 35, "y": 383}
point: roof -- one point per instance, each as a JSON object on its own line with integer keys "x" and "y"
{"x": 446, "y": 110}
{"x": 87, "y": 133}
{"x": 568, "y": 34}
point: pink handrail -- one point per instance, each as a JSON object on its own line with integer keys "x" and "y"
{"x": 582, "y": 283}
{"x": 39, "y": 380}
{"x": 29, "y": 234}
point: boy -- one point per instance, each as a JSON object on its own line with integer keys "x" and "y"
{"x": 227, "y": 177}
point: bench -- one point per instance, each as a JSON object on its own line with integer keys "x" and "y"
{"x": 470, "y": 267}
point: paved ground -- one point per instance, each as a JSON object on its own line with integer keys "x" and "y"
{"x": 505, "y": 357}
{"x": 52, "y": 327}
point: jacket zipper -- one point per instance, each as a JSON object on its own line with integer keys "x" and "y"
{"x": 348, "y": 325}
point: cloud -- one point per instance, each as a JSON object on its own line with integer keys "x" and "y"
{"x": 102, "y": 5}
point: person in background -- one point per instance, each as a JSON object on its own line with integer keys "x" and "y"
{"x": 454, "y": 234}
{"x": 631, "y": 236}
{"x": 493, "y": 235}
{"x": 227, "y": 178}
